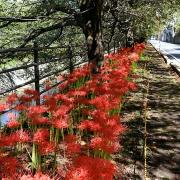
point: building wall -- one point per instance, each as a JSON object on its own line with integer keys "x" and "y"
{"x": 177, "y": 38}
{"x": 167, "y": 35}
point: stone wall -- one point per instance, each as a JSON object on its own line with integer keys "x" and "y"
{"x": 177, "y": 38}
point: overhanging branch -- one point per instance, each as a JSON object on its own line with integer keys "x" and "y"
{"x": 5, "y": 24}
{"x": 35, "y": 33}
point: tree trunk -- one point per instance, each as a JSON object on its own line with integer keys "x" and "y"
{"x": 92, "y": 28}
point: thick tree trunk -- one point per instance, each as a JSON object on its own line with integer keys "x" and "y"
{"x": 92, "y": 28}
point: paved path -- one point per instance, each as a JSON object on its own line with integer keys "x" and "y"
{"x": 163, "y": 123}
{"x": 170, "y": 51}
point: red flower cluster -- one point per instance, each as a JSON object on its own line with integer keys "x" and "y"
{"x": 84, "y": 117}
{"x": 14, "y": 138}
{"x": 88, "y": 168}
{"x": 41, "y": 138}
{"x": 37, "y": 176}
{"x": 3, "y": 107}
{"x": 72, "y": 146}
{"x": 8, "y": 166}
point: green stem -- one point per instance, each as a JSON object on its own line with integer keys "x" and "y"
{"x": 35, "y": 159}
{"x": 62, "y": 133}
{"x": 57, "y": 136}
{"x": 52, "y": 134}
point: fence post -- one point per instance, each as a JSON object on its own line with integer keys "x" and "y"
{"x": 114, "y": 46}
{"x": 70, "y": 56}
{"x": 36, "y": 70}
{"x": 118, "y": 46}
{"x": 108, "y": 49}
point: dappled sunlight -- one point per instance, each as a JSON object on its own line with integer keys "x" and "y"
{"x": 163, "y": 138}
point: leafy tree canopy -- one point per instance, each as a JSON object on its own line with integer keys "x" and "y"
{"x": 50, "y": 21}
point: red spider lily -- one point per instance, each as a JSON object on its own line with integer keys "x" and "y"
{"x": 34, "y": 113}
{"x": 21, "y": 107}
{"x": 8, "y": 167}
{"x": 96, "y": 100}
{"x": 116, "y": 74}
{"x": 80, "y": 173}
{"x": 134, "y": 56}
{"x": 73, "y": 148}
{"x": 41, "y": 135}
{"x": 61, "y": 172}
{"x": 46, "y": 147}
{"x": 39, "y": 120}
{"x": 48, "y": 84}
{"x": 62, "y": 110}
{"x": 60, "y": 123}
{"x": 70, "y": 138}
{"x": 64, "y": 98}
{"x": 91, "y": 125}
{"x": 89, "y": 168}
{"x": 119, "y": 88}
{"x": 9, "y": 140}
{"x": 112, "y": 135}
{"x": 99, "y": 116}
{"x": 71, "y": 80}
{"x": 63, "y": 85}
{"x": 106, "y": 124}
{"x": 138, "y": 48}
{"x": 81, "y": 100}
{"x": 101, "y": 102}
{"x": 50, "y": 102}
{"x": 32, "y": 93}
{"x": 77, "y": 74}
{"x": 80, "y": 72}
{"x": 115, "y": 102}
{"x": 99, "y": 143}
{"x": 77, "y": 93}
{"x": 3, "y": 107}
{"x": 37, "y": 176}
{"x": 25, "y": 99}
{"x": 105, "y": 89}
{"x": 12, "y": 98}
{"x": 23, "y": 136}
{"x": 13, "y": 124}
{"x": 132, "y": 86}
{"x": 15, "y": 137}
{"x": 37, "y": 109}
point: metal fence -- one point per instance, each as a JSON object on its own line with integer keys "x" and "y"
{"x": 36, "y": 63}
{"x": 70, "y": 54}
{"x": 69, "y": 66}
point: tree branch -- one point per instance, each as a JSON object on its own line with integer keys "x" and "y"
{"x": 35, "y": 33}
{"x": 20, "y": 19}
{"x": 53, "y": 9}
{"x": 55, "y": 37}
{"x": 5, "y": 24}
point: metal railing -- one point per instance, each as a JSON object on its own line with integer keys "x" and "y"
{"x": 36, "y": 63}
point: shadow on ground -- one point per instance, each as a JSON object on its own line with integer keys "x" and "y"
{"x": 163, "y": 124}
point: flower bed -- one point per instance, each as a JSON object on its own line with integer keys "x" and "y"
{"x": 73, "y": 133}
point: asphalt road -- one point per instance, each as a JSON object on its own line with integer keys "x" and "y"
{"x": 170, "y": 51}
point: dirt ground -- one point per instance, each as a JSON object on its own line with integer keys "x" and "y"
{"x": 156, "y": 107}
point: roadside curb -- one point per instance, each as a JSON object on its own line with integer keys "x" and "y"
{"x": 168, "y": 61}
